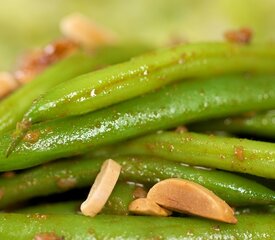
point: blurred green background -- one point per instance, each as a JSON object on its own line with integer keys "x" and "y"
{"x": 28, "y": 23}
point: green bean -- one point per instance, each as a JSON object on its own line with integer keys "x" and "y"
{"x": 145, "y": 73}
{"x": 72, "y": 207}
{"x": 46, "y": 180}
{"x": 122, "y": 195}
{"x": 232, "y": 154}
{"x": 68, "y": 207}
{"x": 177, "y": 104}
{"x": 117, "y": 204}
{"x": 57, "y": 178}
{"x": 255, "y": 209}
{"x": 14, "y": 107}
{"x": 67, "y": 174}
{"x": 73, "y": 227}
{"x": 260, "y": 124}
{"x": 232, "y": 188}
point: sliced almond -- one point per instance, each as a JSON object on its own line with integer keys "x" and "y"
{"x": 145, "y": 206}
{"x": 188, "y": 197}
{"x": 7, "y": 83}
{"x": 81, "y": 30}
{"x": 102, "y": 188}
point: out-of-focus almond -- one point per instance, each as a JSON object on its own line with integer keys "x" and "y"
{"x": 7, "y": 83}
{"x": 83, "y": 31}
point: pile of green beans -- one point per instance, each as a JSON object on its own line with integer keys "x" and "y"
{"x": 140, "y": 75}
{"x": 173, "y": 105}
{"x": 82, "y": 111}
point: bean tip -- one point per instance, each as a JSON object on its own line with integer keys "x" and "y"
{"x": 18, "y": 135}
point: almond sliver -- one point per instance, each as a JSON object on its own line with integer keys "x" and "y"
{"x": 144, "y": 206}
{"x": 102, "y": 188}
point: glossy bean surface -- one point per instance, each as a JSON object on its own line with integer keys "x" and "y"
{"x": 227, "y": 153}
{"x": 14, "y": 107}
{"x": 173, "y": 105}
{"x": 148, "y": 72}
{"x": 64, "y": 175}
{"x": 258, "y": 124}
{"x": 117, "y": 204}
{"x": 29, "y": 226}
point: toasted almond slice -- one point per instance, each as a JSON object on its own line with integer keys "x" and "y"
{"x": 188, "y": 197}
{"x": 81, "y": 30}
{"x": 102, "y": 188}
{"x": 145, "y": 206}
{"x": 7, "y": 83}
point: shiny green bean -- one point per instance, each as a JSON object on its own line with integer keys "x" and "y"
{"x": 227, "y": 153}
{"x": 148, "y": 72}
{"x": 72, "y": 207}
{"x": 73, "y": 227}
{"x": 258, "y": 124}
{"x": 117, "y": 204}
{"x": 14, "y": 107}
{"x": 173, "y": 105}
{"x": 63, "y": 175}
{"x": 255, "y": 209}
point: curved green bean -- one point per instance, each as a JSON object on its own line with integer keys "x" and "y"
{"x": 117, "y": 203}
{"x": 14, "y": 107}
{"x": 177, "y": 104}
{"x": 67, "y": 174}
{"x": 145, "y": 73}
{"x": 227, "y": 153}
{"x": 25, "y": 227}
{"x": 260, "y": 124}
{"x": 232, "y": 188}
